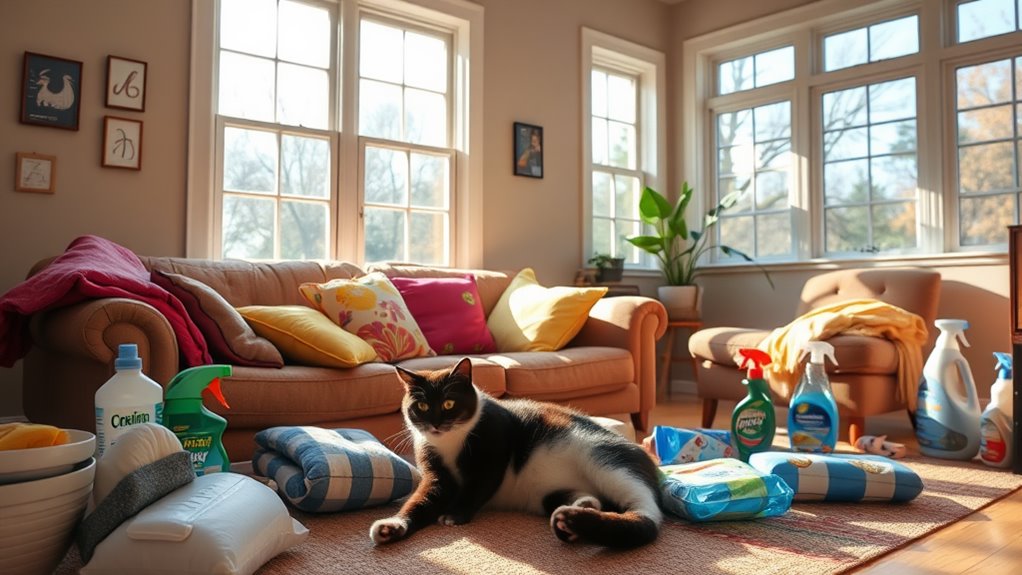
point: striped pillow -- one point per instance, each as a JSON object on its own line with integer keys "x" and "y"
{"x": 815, "y": 477}
{"x": 320, "y": 469}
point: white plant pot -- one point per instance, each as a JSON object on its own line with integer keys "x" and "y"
{"x": 683, "y": 303}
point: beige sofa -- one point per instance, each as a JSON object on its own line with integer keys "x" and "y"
{"x": 608, "y": 368}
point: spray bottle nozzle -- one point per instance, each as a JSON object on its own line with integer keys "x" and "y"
{"x": 817, "y": 350}
{"x": 1004, "y": 365}
{"x": 192, "y": 382}
{"x": 954, "y": 328}
{"x": 757, "y": 357}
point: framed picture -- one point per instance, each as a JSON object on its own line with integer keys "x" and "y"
{"x": 528, "y": 150}
{"x": 122, "y": 143}
{"x": 125, "y": 83}
{"x": 51, "y": 90}
{"x": 35, "y": 173}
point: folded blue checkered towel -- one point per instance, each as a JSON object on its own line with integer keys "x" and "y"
{"x": 320, "y": 469}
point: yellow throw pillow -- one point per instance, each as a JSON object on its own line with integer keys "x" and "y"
{"x": 306, "y": 336}
{"x": 373, "y": 309}
{"x": 530, "y": 317}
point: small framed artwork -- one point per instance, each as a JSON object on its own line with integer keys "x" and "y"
{"x": 51, "y": 90}
{"x": 125, "y": 83}
{"x": 35, "y": 173}
{"x": 122, "y": 143}
{"x": 528, "y": 146}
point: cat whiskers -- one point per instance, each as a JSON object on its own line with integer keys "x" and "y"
{"x": 402, "y": 441}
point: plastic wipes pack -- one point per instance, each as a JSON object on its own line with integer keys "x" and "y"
{"x": 722, "y": 489}
{"x": 679, "y": 445}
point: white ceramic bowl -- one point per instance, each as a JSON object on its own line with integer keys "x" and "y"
{"x": 39, "y": 462}
{"x": 37, "y": 519}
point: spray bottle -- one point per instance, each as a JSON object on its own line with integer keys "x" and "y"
{"x": 128, "y": 398}
{"x": 752, "y": 422}
{"x": 199, "y": 429}
{"x": 947, "y": 413}
{"x": 813, "y": 417}
{"x": 996, "y": 423}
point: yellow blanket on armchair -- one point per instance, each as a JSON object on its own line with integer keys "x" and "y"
{"x": 856, "y": 317}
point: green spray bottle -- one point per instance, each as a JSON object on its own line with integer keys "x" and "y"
{"x": 752, "y": 422}
{"x": 199, "y": 429}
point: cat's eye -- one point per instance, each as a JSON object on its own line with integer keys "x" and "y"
{"x": 449, "y": 404}
{"x": 422, "y": 406}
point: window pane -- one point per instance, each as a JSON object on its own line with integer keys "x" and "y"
{"x": 302, "y": 95}
{"x": 623, "y": 249}
{"x": 985, "y": 124}
{"x": 248, "y": 228}
{"x": 305, "y": 163}
{"x": 774, "y": 235}
{"x": 845, "y": 182}
{"x": 626, "y": 194}
{"x": 734, "y": 128}
{"x": 425, "y": 62}
{"x": 847, "y": 229}
{"x": 990, "y": 167}
{"x": 775, "y": 66}
{"x": 425, "y": 117}
{"x": 894, "y": 100}
{"x": 381, "y": 52}
{"x": 738, "y": 233}
{"x": 600, "y": 143}
{"x": 894, "y": 177}
{"x": 735, "y": 75}
{"x": 384, "y": 235}
{"x": 429, "y": 238}
{"x": 379, "y": 110}
{"x": 386, "y": 176}
{"x": 773, "y": 121}
{"x": 894, "y": 226}
{"x": 984, "y": 84}
{"x": 621, "y": 98}
{"x": 773, "y": 155}
{"x": 249, "y": 26}
{"x": 845, "y": 49}
{"x": 303, "y": 230}
{"x": 603, "y": 230}
{"x": 304, "y": 34}
{"x": 430, "y": 180}
{"x": 844, "y": 108}
{"x": 985, "y": 18}
{"x": 622, "y": 145}
{"x": 895, "y": 38}
{"x": 771, "y": 190}
{"x": 250, "y": 161}
{"x": 735, "y": 160}
{"x": 845, "y": 144}
{"x": 893, "y": 137}
{"x": 985, "y": 219}
{"x": 246, "y": 87}
{"x": 599, "y": 88}
{"x": 602, "y": 185}
{"x": 741, "y": 184}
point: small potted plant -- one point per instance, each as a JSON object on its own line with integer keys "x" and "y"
{"x": 608, "y": 269}
{"x": 678, "y": 249}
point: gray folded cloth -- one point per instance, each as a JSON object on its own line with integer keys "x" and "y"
{"x": 136, "y": 491}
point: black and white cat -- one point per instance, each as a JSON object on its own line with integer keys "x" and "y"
{"x": 475, "y": 451}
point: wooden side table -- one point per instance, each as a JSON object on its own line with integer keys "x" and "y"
{"x": 668, "y": 359}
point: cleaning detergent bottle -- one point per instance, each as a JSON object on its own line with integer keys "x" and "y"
{"x": 199, "y": 429}
{"x": 947, "y": 413}
{"x": 812, "y": 413}
{"x": 752, "y": 422}
{"x": 996, "y": 423}
{"x": 128, "y": 398}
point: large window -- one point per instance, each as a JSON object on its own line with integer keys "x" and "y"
{"x": 339, "y": 129}
{"x": 896, "y": 134}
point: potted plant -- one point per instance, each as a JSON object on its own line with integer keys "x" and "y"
{"x": 608, "y": 269}
{"x": 678, "y": 249}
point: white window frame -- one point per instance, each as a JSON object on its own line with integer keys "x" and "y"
{"x": 649, "y": 66}
{"x": 463, "y": 19}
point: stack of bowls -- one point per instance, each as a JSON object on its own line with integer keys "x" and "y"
{"x": 43, "y": 494}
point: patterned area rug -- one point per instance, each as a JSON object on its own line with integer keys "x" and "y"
{"x": 812, "y": 538}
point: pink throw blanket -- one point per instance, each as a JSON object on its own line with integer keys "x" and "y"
{"x": 91, "y": 267}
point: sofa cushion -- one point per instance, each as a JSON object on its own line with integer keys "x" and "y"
{"x": 566, "y": 374}
{"x": 371, "y": 308}
{"x": 229, "y": 337}
{"x": 530, "y": 317}
{"x": 449, "y": 312}
{"x": 306, "y": 336}
{"x": 491, "y": 284}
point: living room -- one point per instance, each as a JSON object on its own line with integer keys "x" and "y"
{"x": 532, "y": 73}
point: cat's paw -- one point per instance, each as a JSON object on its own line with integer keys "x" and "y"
{"x": 388, "y": 530}
{"x": 588, "y": 502}
{"x": 452, "y": 519}
{"x": 562, "y": 519}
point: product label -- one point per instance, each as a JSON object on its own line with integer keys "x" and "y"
{"x": 930, "y": 432}
{"x": 810, "y": 426}
{"x": 992, "y": 446}
{"x": 749, "y": 425}
{"x": 113, "y": 422}
{"x": 205, "y": 457}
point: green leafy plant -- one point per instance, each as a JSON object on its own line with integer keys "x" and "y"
{"x": 607, "y": 267}
{"x": 678, "y": 249}
{"x": 602, "y": 261}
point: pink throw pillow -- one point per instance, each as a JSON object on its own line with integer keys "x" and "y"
{"x": 449, "y": 313}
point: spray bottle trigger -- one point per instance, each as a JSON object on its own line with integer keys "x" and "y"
{"x": 961, "y": 338}
{"x": 214, "y": 388}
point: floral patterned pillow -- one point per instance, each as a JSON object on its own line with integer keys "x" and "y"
{"x": 371, "y": 308}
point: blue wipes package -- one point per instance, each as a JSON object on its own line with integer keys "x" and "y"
{"x": 680, "y": 445}
{"x": 722, "y": 489}
{"x": 851, "y": 477}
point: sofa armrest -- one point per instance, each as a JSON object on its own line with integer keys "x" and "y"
{"x": 92, "y": 330}
{"x": 634, "y": 323}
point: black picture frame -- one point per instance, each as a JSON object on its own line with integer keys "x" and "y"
{"x": 528, "y": 159}
{"x": 42, "y": 103}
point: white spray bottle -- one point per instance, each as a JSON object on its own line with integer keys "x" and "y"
{"x": 947, "y": 413}
{"x": 996, "y": 423}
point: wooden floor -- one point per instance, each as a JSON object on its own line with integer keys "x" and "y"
{"x": 987, "y": 542}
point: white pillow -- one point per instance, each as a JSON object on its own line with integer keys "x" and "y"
{"x": 141, "y": 445}
{"x": 223, "y": 523}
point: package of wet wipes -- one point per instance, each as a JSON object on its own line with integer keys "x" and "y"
{"x": 670, "y": 445}
{"x": 722, "y": 489}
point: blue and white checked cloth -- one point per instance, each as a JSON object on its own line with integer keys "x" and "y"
{"x": 320, "y": 469}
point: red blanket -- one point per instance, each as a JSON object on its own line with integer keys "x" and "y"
{"x": 91, "y": 267}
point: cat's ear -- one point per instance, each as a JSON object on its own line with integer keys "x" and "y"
{"x": 464, "y": 368}
{"x": 407, "y": 377}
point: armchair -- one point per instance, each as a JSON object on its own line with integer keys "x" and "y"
{"x": 865, "y": 380}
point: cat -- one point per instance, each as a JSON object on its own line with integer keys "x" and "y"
{"x": 475, "y": 451}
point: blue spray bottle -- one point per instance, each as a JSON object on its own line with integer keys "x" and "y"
{"x": 812, "y": 413}
{"x": 947, "y": 413}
